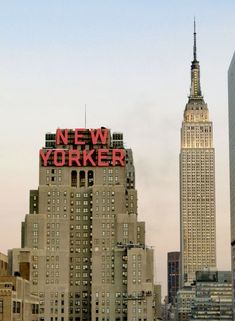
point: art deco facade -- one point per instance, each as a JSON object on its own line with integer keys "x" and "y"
{"x": 197, "y": 183}
{"x": 81, "y": 240}
{"x": 231, "y": 98}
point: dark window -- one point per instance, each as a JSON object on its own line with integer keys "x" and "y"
{"x": 1, "y": 306}
{"x": 14, "y": 307}
{"x": 82, "y": 178}
{"x": 35, "y": 309}
{"x": 90, "y": 178}
{"x": 74, "y": 179}
{"x": 17, "y": 307}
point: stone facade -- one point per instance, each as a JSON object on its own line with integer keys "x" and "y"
{"x": 86, "y": 248}
{"x": 16, "y": 301}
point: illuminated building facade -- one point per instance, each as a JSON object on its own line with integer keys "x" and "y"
{"x": 197, "y": 183}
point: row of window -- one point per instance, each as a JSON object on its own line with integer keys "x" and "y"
{"x": 58, "y": 193}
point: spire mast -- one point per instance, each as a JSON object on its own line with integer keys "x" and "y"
{"x": 195, "y": 42}
{"x": 195, "y": 91}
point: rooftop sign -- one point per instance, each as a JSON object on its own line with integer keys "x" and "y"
{"x": 82, "y": 147}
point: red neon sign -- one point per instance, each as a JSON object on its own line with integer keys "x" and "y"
{"x": 100, "y": 155}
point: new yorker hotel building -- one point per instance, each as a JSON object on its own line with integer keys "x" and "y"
{"x": 82, "y": 246}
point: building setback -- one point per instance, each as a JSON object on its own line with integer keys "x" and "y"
{"x": 82, "y": 245}
{"x": 231, "y": 100}
{"x": 173, "y": 275}
{"x": 197, "y": 183}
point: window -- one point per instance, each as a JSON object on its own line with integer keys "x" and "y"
{"x": 74, "y": 179}
{"x": 90, "y": 178}
{"x": 14, "y": 307}
{"x": 82, "y": 179}
{"x": 1, "y": 306}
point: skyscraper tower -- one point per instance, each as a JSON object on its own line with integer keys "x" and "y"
{"x": 83, "y": 248}
{"x": 231, "y": 99}
{"x": 197, "y": 182}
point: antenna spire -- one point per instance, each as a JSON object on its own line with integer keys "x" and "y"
{"x": 85, "y": 115}
{"x": 195, "y": 91}
{"x": 195, "y": 41}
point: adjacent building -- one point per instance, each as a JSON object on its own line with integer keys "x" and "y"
{"x": 231, "y": 100}
{"x": 184, "y": 301}
{"x": 213, "y": 296}
{"x": 16, "y": 301}
{"x": 173, "y": 275}
{"x": 197, "y": 183}
{"x": 83, "y": 248}
{"x": 208, "y": 298}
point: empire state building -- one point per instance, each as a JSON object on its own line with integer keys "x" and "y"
{"x": 197, "y": 182}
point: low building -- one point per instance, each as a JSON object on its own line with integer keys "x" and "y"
{"x": 208, "y": 298}
{"x": 16, "y": 301}
{"x": 185, "y": 298}
{"x": 213, "y": 296}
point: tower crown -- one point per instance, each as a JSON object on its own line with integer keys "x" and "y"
{"x": 196, "y": 109}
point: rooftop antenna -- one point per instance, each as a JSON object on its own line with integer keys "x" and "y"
{"x": 85, "y": 115}
{"x": 195, "y": 41}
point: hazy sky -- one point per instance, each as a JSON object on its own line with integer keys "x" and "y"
{"x": 129, "y": 62}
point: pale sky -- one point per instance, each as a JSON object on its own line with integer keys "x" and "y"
{"x": 129, "y": 62}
